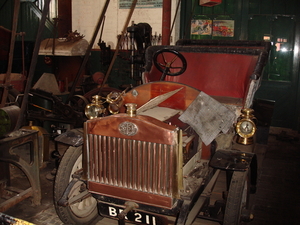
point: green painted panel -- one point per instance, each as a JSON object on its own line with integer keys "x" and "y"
{"x": 281, "y": 58}
{"x": 271, "y": 7}
{"x": 292, "y": 7}
{"x": 219, "y": 9}
{"x": 284, "y": 7}
{"x": 29, "y": 20}
{"x": 266, "y": 7}
{"x": 280, "y": 30}
{"x": 279, "y": 7}
{"x": 205, "y": 10}
{"x": 278, "y": 77}
{"x": 6, "y": 14}
{"x": 230, "y": 6}
{"x": 254, "y": 6}
{"x": 280, "y": 66}
{"x": 282, "y": 93}
{"x": 258, "y": 27}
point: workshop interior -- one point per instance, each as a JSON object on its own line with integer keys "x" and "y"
{"x": 146, "y": 112}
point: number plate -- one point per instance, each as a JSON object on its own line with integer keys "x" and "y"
{"x": 133, "y": 216}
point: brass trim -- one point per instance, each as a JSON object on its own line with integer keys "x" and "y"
{"x": 180, "y": 163}
{"x": 240, "y": 132}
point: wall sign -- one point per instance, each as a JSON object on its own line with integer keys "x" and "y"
{"x": 201, "y": 27}
{"x": 126, "y": 4}
{"x": 223, "y": 28}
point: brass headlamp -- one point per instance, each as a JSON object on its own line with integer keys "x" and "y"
{"x": 115, "y": 101}
{"x": 94, "y": 109}
{"x": 246, "y": 127}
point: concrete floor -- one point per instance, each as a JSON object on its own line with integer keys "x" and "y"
{"x": 277, "y": 201}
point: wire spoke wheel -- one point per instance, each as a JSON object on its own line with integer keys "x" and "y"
{"x": 237, "y": 204}
{"x": 81, "y": 212}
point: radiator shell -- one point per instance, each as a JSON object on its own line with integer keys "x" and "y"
{"x": 141, "y": 167}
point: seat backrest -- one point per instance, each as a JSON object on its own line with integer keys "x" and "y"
{"x": 217, "y": 70}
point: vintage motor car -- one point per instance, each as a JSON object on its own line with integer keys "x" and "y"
{"x": 158, "y": 156}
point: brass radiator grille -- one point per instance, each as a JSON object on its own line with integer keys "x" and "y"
{"x": 131, "y": 164}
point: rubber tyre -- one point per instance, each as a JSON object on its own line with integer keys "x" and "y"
{"x": 238, "y": 197}
{"x": 84, "y": 212}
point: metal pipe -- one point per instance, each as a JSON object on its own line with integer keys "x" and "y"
{"x": 175, "y": 16}
{"x": 120, "y": 40}
{"x": 166, "y": 22}
{"x": 22, "y": 34}
{"x": 195, "y": 210}
{"x": 33, "y": 63}
{"x": 87, "y": 53}
{"x": 100, "y": 39}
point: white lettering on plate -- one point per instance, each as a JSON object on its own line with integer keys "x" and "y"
{"x": 138, "y": 217}
{"x": 112, "y": 211}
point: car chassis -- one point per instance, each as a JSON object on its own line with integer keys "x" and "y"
{"x": 157, "y": 161}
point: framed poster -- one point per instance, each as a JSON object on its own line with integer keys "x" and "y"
{"x": 223, "y": 28}
{"x": 201, "y": 27}
{"x": 126, "y": 4}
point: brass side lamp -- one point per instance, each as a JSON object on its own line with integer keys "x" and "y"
{"x": 246, "y": 127}
{"x": 94, "y": 109}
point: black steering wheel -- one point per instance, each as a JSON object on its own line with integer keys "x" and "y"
{"x": 163, "y": 60}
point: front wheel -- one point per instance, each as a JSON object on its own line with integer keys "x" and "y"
{"x": 237, "y": 203}
{"x": 83, "y": 212}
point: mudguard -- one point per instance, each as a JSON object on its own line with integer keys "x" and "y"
{"x": 72, "y": 137}
{"x": 233, "y": 160}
